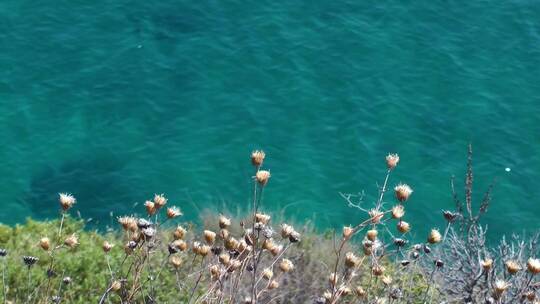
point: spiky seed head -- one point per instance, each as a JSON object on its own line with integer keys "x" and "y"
{"x": 333, "y": 279}
{"x": 398, "y": 211}
{"x": 66, "y": 201}
{"x": 176, "y": 261}
{"x": 533, "y": 266}
{"x": 128, "y": 223}
{"x": 377, "y": 270}
{"x": 72, "y": 241}
{"x": 268, "y": 244}
{"x": 386, "y": 279}
{"x": 512, "y": 266}
{"x": 173, "y": 212}
{"x": 180, "y": 244}
{"x": 351, "y": 260}
{"x": 273, "y": 285}
{"x": 267, "y": 273}
{"x": 359, "y": 292}
{"x": 243, "y": 246}
{"x": 434, "y": 236}
{"x": 392, "y": 161}
{"x": 347, "y": 232}
{"x": 486, "y": 264}
{"x": 375, "y": 216}
{"x": 116, "y": 285}
{"x": 224, "y": 222}
{"x": 66, "y": 280}
{"x": 30, "y": 260}
{"x": 372, "y": 234}
{"x": 327, "y": 296}
{"x": 179, "y": 233}
{"x": 231, "y": 243}
{"x": 530, "y": 295}
{"x": 215, "y": 271}
{"x": 344, "y": 290}
{"x": 204, "y": 250}
{"x": 276, "y": 250}
{"x": 234, "y": 265}
{"x": 209, "y": 236}
{"x": 150, "y": 207}
{"x": 224, "y": 234}
{"x": 262, "y": 218}
{"x": 224, "y": 258}
{"x": 402, "y": 192}
{"x": 450, "y": 216}
{"x": 160, "y": 200}
{"x": 500, "y": 287}
{"x": 45, "y": 243}
{"x": 294, "y": 237}
{"x": 257, "y": 158}
{"x": 286, "y": 265}
{"x": 262, "y": 177}
{"x": 107, "y": 246}
{"x": 403, "y": 227}
{"x": 286, "y": 230}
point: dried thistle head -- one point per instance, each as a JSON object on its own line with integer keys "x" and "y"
{"x": 116, "y": 285}
{"x": 499, "y": 288}
{"x": 29, "y": 261}
{"x": 386, "y": 279}
{"x": 286, "y": 265}
{"x": 333, "y": 279}
{"x": 351, "y": 260}
{"x": 486, "y": 264}
{"x": 3, "y": 252}
{"x": 372, "y": 234}
{"x": 450, "y": 216}
{"x": 150, "y": 207}
{"x": 179, "y": 244}
{"x": 66, "y": 201}
{"x": 176, "y": 261}
{"x": 262, "y": 218}
{"x": 107, "y": 246}
{"x": 209, "y": 236}
{"x": 267, "y": 274}
{"x": 224, "y": 222}
{"x": 179, "y": 233}
{"x": 262, "y": 177}
{"x": 224, "y": 258}
{"x": 403, "y": 227}
{"x": 533, "y": 266}
{"x": 347, "y": 232}
{"x": 377, "y": 270}
{"x": 273, "y": 285}
{"x": 128, "y": 223}
{"x": 392, "y": 161}
{"x": 286, "y": 230}
{"x": 434, "y": 236}
{"x": 257, "y": 158}
{"x": 360, "y": 292}
{"x": 276, "y": 250}
{"x": 72, "y": 241}
{"x": 512, "y": 266}
{"x": 231, "y": 243}
{"x": 344, "y": 290}
{"x": 173, "y": 212}
{"x": 402, "y": 192}
{"x": 398, "y": 211}
{"x": 375, "y": 216}
{"x": 45, "y": 243}
{"x": 160, "y": 200}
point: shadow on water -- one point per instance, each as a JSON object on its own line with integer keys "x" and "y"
{"x": 96, "y": 181}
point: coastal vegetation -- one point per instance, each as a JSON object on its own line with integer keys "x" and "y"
{"x": 157, "y": 257}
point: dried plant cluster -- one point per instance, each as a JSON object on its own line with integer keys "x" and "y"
{"x": 157, "y": 258}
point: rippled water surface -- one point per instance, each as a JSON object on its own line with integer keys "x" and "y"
{"x": 116, "y": 100}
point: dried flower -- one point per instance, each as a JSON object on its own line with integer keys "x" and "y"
{"x": 486, "y": 264}
{"x": 150, "y": 207}
{"x": 160, "y": 200}
{"x": 344, "y": 290}
{"x": 45, "y": 243}
{"x": 359, "y": 292}
{"x": 116, "y": 285}
{"x": 267, "y": 274}
{"x": 351, "y": 260}
{"x": 500, "y": 287}
{"x": 262, "y": 218}
{"x": 286, "y": 230}
{"x": 231, "y": 243}
{"x": 533, "y": 265}
{"x": 377, "y": 270}
{"x": 347, "y": 232}
{"x": 209, "y": 236}
{"x": 434, "y": 236}
{"x": 179, "y": 244}
{"x": 176, "y": 261}
{"x": 386, "y": 279}
{"x": 173, "y": 212}
{"x": 128, "y": 223}
{"x": 107, "y": 246}
{"x": 276, "y": 250}
{"x": 143, "y": 223}
{"x": 398, "y": 211}
{"x": 224, "y": 222}
{"x": 333, "y": 279}
{"x": 372, "y": 234}
{"x": 392, "y": 161}
{"x": 286, "y": 265}
{"x": 450, "y": 216}
{"x": 66, "y": 280}
{"x": 294, "y": 237}
{"x": 71, "y": 241}
{"x": 257, "y": 158}
{"x": 30, "y": 260}
{"x": 403, "y": 227}
{"x": 273, "y": 285}
{"x": 224, "y": 258}
{"x": 375, "y": 216}
{"x": 512, "y": 266}
{"x": 179, "y": 233}
{"x": 403, "y": 191}
{"x": 262, "y": 177}
{"x": 66, "y": 201}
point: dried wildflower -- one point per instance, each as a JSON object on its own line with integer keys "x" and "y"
{"x": 148, "y": 232}
{"x": 209, "y": 236}
{"x": 116, "y": 285}
{"x": 54, "y": 299}
{"x": 30, "y": 260}
{"x": 415, "y": 255}
{"x": 176, "y": 261}
{"x": 214, "y": 271}
{"x": 400, "y": 242}
{"x": 179, "y": 233}
{"x": 243, "y": 246}
{"x": 372, "y": 234}
{"x": 351, "y": 260}
{"x": 45, "y": 243}
{"x": 426, "y": 249}
{"x": 267, "y": 273}
{"x": 72, "y": 241}
{"x": 512, "y": 266}
{"x": 128, "y": 223}
{"x": 377, "y": 270}
{"x": 344, "y": 290}
{"x": 359, "y": 292}
{"x": 224, "y": 258}
{"x": 347, "y": 232}
{"x": 434, "y": 236}
{"x": 500, "y": 287}
{"x": 262, "y": 177}
{"x": 224, "y": 222}
{"x": 533, "y": 266}
{"x": 150, "y": 207}
{"x": 294, "y": 237}
{"x": 486, "y": 264}
{"x": 257, "y": 158}
{"x": 268, "y": 232}
{"x": 66, "y": 280}
{"x": 231, "y": 243}
{"x": 66, "y": 201}
{"x": 450, "y": 216}
{"x": 402, "y": 192}
{"x": 173, "y": 212}
{"x": 273, "y": 285}
{"x": 398, "y": 211}
{"x": 403, "y": 227}
{"x": 375, "y": 216}
{"x": 143, "y": 223}
{"x": 224, "y": 234}
{"x": 233, "y": 265}
{"x": 386, "y": 279}
{"x": 392, "y": 161}
{"x": 268, "y": 244}
{"x": 286, "y": 265}
{"x": 276, "y": 250}
{"x": 333, "y": 279}
{"x": 159, "y": 200}
{"x": 107, "y": 246}
{"x": 203, "y": 250}
{"x": 530, "y": 295}
{"x": 262, "y": 218}
{"x": 286, "y": 230}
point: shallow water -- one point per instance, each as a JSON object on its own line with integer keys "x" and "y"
{"x": 115, "y": 101}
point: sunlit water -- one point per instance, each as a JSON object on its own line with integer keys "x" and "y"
{"x": 114, "y": 101}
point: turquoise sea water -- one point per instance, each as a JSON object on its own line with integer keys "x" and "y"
{"x": 116, "y": 100}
